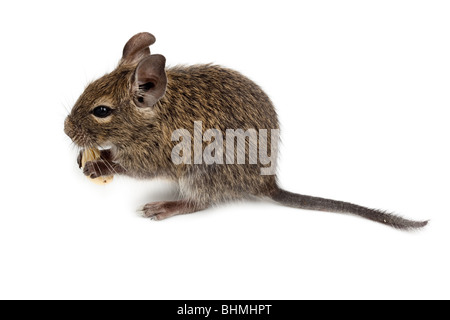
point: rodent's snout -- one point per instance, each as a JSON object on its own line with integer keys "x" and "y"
{"x": 76, "y": 133}
{"x": 67, "y": 128}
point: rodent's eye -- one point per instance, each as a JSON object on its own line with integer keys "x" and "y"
{"x": 102, "y": 111}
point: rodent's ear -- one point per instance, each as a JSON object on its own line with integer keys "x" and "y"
{"x": 150, "y": 81}
{"x": 137, "y": 48}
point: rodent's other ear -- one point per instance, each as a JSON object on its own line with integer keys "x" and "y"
{"x": 137, "y": 47}
{"x": 150, "y": 81}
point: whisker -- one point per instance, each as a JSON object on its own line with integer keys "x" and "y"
{"x": 112, "y": 167}
{"x": 67, "y": 109}
{"x": 107, "y": 163}
{"x": 98, "y": 167}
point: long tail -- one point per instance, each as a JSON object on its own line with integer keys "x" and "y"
{"x": 313, "y": 203}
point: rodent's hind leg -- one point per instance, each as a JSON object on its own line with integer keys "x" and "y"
{"x": 166, "y": 209}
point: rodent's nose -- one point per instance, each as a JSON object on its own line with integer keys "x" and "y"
{"x": 67, "y": 129}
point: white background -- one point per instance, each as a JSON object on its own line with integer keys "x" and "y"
{"x": 362, "y": 92}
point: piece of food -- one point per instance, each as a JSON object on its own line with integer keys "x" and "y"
{"x": 92, "y": 154}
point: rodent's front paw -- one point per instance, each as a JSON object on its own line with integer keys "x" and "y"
{"x": 92, "y": 169}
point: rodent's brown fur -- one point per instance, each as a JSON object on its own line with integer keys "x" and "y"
{"x": 141, "y": 137}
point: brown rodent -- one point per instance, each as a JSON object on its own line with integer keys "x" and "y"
{"x": 135, "y": 110}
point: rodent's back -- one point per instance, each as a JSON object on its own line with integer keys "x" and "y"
{"x": 219, "y": 97}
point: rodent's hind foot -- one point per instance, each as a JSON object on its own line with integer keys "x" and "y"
{"x": 165, "y": 209}
{"x": 155, "y": 211}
